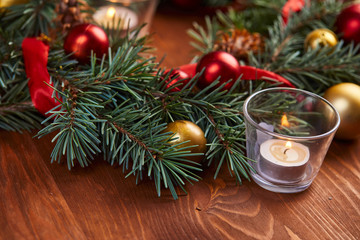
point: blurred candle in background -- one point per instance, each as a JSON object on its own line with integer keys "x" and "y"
{"x": 124, "y": 14}
{"x": 111, "y": 15}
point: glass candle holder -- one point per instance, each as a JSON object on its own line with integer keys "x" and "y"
{"x": 288, "y": 133}
{"x": 124, "y": 14}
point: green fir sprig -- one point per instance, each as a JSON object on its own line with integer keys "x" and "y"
{"x": 30, "y": 19}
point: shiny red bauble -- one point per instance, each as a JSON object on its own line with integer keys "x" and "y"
{"x": 217, "y": 64}
{"x": 174, "y": 77}
{"x": 348, "y": 24}
{"x": 84, "y": 38}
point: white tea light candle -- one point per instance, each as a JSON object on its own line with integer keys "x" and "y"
{"x": 286, "y": 140}
{"x": 110, "y": 15}
{"x": 283, "y": 161}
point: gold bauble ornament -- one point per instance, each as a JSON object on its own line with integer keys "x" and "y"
{"x": 9, "y": 3}
{"x": 185, "y": 131}
{"x": 319, "y": 38}
{"x": 345, "y": 97}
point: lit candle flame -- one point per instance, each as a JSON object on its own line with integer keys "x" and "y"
{"x": 284, "y": 121}
{"x": 110, "y": 12}
{"x": 287, "y": 147}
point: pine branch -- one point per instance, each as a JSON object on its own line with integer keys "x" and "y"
{"x": 314, "y": 70}
{"x": 95, "y": 117}
{"x": 19, "y": 107}
{"x": 77, "y": 137}
{"x": 285, "y": 39}
{"x": 205, "y": 38}
{"x": 19, "y": 116}
{"x": 133, "y": 137}
{"x": 217, "y": 112}
{"x": 30, "y": 19}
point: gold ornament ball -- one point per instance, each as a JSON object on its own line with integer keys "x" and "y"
{"x": 320, "y": 38}
{"x": 345, "y": 97}
{"x": 9, "y": 3}
{"x": 184, "y": 131}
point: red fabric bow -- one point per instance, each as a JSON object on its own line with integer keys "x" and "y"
{"x": 35, "y": 53}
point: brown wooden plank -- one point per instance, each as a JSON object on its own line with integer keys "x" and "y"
{"x": 31, "y": 205}
{"x": 214, "y": 209}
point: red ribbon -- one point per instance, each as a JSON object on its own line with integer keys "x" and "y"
{"x": 252, "y": 73}
{"x": 35, "y": 53}
{"x": 248, "y": 73}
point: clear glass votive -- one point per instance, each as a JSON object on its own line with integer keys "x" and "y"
{"x": 288, "y": 133}
{"x": 124, "y": 14}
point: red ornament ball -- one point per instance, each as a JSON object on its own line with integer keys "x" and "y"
{"x": 83, "y": 38}
{"x": 348, "y": 23}
{"x": 217, "y": 64}
{"x": 174, "y": 77}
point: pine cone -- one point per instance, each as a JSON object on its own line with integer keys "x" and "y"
{"x": 68, "y": 13}
{"x": 239, "y": 42}
{"x": 71, "y": 13}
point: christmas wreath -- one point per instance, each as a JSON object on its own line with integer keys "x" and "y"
{"x": 105, "y": 97}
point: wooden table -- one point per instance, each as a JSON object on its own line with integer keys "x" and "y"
{"x": 40, "y": 200}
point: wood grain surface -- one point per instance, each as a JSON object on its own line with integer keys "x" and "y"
{"x": 40, "y": 200}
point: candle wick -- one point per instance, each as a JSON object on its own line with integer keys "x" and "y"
{"x": 286, "y": 150}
